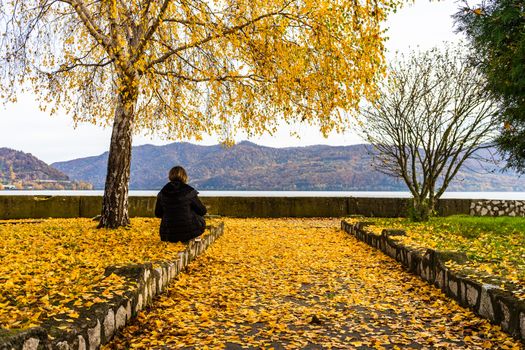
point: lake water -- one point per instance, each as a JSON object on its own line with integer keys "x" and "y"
{"x": 371, "y": 194}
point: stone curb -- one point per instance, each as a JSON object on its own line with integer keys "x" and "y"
{"x": 491, "y": 302}
{"x": 97, "y": 324}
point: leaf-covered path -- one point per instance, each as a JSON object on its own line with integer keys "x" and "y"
{"x": 303, "y": 284}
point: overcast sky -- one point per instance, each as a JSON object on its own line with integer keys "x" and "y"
{"x": 23, "y": 127}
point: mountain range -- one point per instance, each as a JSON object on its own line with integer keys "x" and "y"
{"x": 247, "y": 166}
{"x": 19, "y": 170}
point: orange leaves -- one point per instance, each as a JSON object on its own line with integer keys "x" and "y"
{"x": 494, "y": 246}
{"x": 478, "y": 11}
{"x": 296, "y": 283}
{"x": 48, "y": 264}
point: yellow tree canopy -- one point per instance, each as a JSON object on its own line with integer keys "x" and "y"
{"x": 199, "y": 66}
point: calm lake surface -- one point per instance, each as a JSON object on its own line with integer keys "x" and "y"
{"x": 371, "y": 194}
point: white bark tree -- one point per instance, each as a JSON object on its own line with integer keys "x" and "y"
{"x": 185, "y": 68}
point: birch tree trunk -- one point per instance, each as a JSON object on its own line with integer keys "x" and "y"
{"x": 115, "y": 202}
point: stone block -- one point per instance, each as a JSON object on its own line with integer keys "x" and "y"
{"x": 170, "y": 271}
{"x": 120, "y": 317}
{"x": 173, "y": 270}
{"x": 94, "y": 336}
{"x": 81, "y": 343}
{"x": 128, "y": 310}
{"x": 402, "y": 256}
{"x": 31, "y": 344}
{"x": 147, "y": 275}
{"x": 522, "y": 325}
{"x": 63, "y": 345}
{"x": 109, "y": 325}
{"x": 160, "y": 274}
{"x": 391, "y": 252}
{"x": 148, "y": 290}
{"x": 165, "y": 276}
{"x": 463, "y": 291}
{"x": 486, "y": 308}
{"x": 153, "y": 287}
{"x": 505, "y": 316}
{"x": 453, "y": 287}
{"x": 472, "y": 295}
{"x": 145, "y": 294}
{"x": 139, "y": 305}
{"x": 441, "y": 276}
{"x": 422, "y": 270}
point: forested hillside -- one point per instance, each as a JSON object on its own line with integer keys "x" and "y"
{"x": 19, "y": 170}
{"x": 247, "y": 166}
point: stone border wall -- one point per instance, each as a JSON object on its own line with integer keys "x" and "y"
{"x": 96, "y": 325}
{"x": 497, "y": 208}
{"x": 35, "y": 207}
{"x": 489, "y": 301}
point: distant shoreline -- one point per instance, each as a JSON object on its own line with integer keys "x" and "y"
{"x": 364, "y": 194}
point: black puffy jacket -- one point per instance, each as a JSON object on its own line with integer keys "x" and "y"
{"x": 181, "y": 212}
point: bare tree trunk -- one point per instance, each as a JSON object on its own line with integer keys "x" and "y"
{"x": 420, "y": 210}
{"x": 115, "y": 202}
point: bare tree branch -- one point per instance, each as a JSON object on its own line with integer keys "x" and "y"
{"x": 432, "y": 115}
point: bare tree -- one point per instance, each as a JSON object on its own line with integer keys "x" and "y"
{"x": 432, "y": 113}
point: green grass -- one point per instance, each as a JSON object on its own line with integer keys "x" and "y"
{"x": 493, "y": 245}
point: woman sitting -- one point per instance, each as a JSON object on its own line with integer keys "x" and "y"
{"x": 180, "y": 209}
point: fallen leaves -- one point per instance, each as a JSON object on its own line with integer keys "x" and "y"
{"x": 293, "y": 283}
{"x": 50, "y": 263}
{"x": 494, "y": 246}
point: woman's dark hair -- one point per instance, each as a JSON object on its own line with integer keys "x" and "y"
{"x": 178, "y": 173}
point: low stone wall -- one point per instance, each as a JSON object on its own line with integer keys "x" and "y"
{"x": 489, "y": 301}
{"x": 96, "y": 325}
{"x": 34, "y": 207}
{"x": 497, "y": 208}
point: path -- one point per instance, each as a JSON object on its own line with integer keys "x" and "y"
{"x": 294, "y": 284}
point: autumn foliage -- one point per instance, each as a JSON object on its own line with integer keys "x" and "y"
{"x": 493, "y": 246}
{"x": 49, "y": 263}
{"x": 303, "y": 283}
